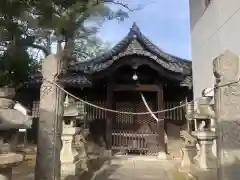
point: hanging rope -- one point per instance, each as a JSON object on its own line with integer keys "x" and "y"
{"x": 153, "y": 115}
{"x": 148, "y": 108}
{"x": 140, "y": 113}
{"x": 144, "y": 100}
{"x": 132, "y": 113}
{"x": 111, "y": 110}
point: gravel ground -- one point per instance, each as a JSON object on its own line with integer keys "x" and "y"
{"x": 121, "y": 168}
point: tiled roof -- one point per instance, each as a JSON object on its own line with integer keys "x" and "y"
{"x": 187, "y": 82}
{"x": 75, "y": 80}
{"x": 134, "y": 44}
{"x": 69, "y": 79}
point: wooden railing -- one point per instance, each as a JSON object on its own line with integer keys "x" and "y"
{"x": 177, "y": 114}
{"x": 94, "y": 113}
{"x": 141, "y": 142}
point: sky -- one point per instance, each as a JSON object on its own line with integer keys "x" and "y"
{"x": 165, "y": 22}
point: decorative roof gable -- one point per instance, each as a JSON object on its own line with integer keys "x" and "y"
{"x": 135, "y": 45}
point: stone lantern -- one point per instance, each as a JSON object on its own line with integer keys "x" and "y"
{"x": 73, "y": 119}
{"x": 205, "y": 136}
{"x": 12, "y": 116}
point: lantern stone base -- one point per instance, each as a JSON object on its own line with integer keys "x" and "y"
{"x": 70, "y": 171}
{"x": 206, "y": 159}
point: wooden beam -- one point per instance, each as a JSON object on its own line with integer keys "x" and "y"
{"x": 161, "y": 124}
{"x": 142, "y": 87}
{"x": 109, "y": 119}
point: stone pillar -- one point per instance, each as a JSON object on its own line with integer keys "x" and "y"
{"x": 227, "y": 104}
{"x": 50, "y": 121}
{"x": 206, "y": 159}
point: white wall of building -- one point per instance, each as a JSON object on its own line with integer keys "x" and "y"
{"x": 213, "y": 32}
{"x": 197, "y": 8}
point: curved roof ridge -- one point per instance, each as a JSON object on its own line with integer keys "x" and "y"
{"x": 122, "y": 45}
{"x": 136, "y": 30}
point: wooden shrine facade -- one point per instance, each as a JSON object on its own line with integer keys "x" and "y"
{"x": 115, "y": 80}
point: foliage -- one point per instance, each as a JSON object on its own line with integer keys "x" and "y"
{"x": 11, "y": 71}
{"x": 36, "y": 24}
{"x": 86, "y": 49}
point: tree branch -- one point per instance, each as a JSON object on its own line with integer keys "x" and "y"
{"x": 45, "y": 50}
{"x": 121, "y": 4}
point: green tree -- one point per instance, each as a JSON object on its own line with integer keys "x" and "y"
{"x": 86, "y": 49}
{"x": 36, "y": 24}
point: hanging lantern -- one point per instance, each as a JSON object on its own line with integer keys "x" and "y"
{"x": 135, "y": 77}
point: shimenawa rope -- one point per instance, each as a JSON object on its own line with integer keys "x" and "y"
{"x": 132, "y": 113}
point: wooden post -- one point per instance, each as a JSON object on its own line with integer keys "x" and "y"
{"x": 188, "y": 111}
{"x": 161, "y": 123}
{"x": 109, "y": 119}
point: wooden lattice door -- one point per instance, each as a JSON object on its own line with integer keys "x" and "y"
{"x": 134, "y": 133}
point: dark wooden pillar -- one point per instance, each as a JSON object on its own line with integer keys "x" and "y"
{"x": 109, "y": 119}
{"x": 161, "y": 123}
